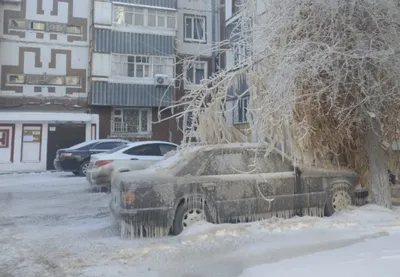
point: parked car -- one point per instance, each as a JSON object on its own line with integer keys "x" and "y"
{"x": 127, "y": 157}
{"x": 76, "y": 158}
{"x": 225, "y": 184}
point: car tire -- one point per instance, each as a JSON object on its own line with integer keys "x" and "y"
{"x": 340, "y": 198}
{"x": 83, "y": 168}
{"x": 189, "y": 212}
{"x": 76, "y": 173}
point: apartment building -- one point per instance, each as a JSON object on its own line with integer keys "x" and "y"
{"x": 44, "y": 53}
{"x": 132, "y": 67}
{"x": 197, "y": 51}
{"x": 234, "y": 56}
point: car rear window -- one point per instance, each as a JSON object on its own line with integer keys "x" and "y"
{"x": 83, "y": 146}
{"x": 116, "y": 149}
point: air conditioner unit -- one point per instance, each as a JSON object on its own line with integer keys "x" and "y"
{"x": 162, "y": 80}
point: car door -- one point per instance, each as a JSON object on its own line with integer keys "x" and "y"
{"x": 224, "y": 183}
{"x": 275, "y": 184}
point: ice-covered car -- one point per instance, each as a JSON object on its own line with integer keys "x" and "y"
{"x": 132, "y": 156}
{"x": 225, "y": 184}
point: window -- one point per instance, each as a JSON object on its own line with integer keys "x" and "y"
{"x": 138, "y": 66}
{"x": 235, "y": 6}
{"x": 240, "y": 111}
{"x": 38, "y": 26}
{"x": 161, "y": 16}
{"x": 16, "y": 79}
{"x": 152, "y": 18}
{"x": 139, "y": 17}
{"x": 4, "y": 138}
{"x": 171, "y": 21}
{"x": 75, "y": 30}
{"x": 45, "y": 26}
{"x": 195, "y": 28}
{"x": 273, "y": 162}
{"x": 134, "y": 121}
{"x": 239, "y": 51}
{"x": 144, "y": 17}
{"x": 54, "y": 80}
{"x": 165, "y": 148}
{"x": 144, "y": 150}
{"x": 35, "y": 79}
{"x": 225, "y": 161}
{"x": 188, "y": 117}
{"x": 195, "y": 72}
{"x": 17, "y": 24}
{"x": 72, "y": 80}
{"x": 56, "y": 28}
{"x": 107, "y": 145}
{"x": 141, "y": 66}
{"x": 116, "y": 149}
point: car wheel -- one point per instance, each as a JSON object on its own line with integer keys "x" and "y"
{"x": 340, "y": 198}
{"x": 83, "y": 168}
{"x": 76, "y": 173}
{"x": 188, "y": 213}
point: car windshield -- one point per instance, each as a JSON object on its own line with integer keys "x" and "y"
{"x": 116, "y": 149}
{"x": 171, "y": 162}
{"x": 83, "y": 145}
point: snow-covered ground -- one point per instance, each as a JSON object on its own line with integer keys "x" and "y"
{"x": 51, "y": 225}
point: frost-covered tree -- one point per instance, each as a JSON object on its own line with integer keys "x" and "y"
{"x": 324, "y": 80}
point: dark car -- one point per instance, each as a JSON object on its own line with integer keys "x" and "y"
{"x": 225, "y": 184}
{"x": 76, "y": 158}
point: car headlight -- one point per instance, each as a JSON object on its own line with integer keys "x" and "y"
{"x": 128, "y": 198}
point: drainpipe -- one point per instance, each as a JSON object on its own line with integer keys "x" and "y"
{"x": 213, "y": 35}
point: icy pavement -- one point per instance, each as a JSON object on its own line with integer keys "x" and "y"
{"x": 51, "y": 225}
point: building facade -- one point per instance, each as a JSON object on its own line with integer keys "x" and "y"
{"x": 197, "y": 48}
{"x": 132, "y": 67}
{"x": 234, "y": 56}
{"x": 44, "y": 55}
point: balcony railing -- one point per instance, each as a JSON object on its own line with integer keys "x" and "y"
{"x": 124, "y": 129}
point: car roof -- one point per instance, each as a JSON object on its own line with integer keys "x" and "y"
{"x": 145, "y": 142}
{"x": 192, "y": 150}
{"x": 106, "y": 140}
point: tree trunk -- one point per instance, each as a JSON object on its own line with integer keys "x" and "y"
{"x": 379, "y": 177}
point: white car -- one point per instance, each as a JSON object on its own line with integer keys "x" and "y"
{"x": 132, "y": 156}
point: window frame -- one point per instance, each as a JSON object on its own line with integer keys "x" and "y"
{"x": 239, "y": 53}
{"x": 5, "y": 137}
{"x": 239, "y": 105}
{"x": 73, "y": 33}
{"x": 31, "y": 28}
{"x": 158, "y": 13}
{"x": 120, "y": 65}
{"x": 173, "y": 147}
{"x": 204, "y": 25}
{"x": 188, "y": 65}
{"x": 44, "y": 78}
{"x": 28, "y": 26}
{"x": 153, "y": 145}
{"x": 17, "y": 28}
{"x": 139, "y": 127}
{"x": 105, "y": 142}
